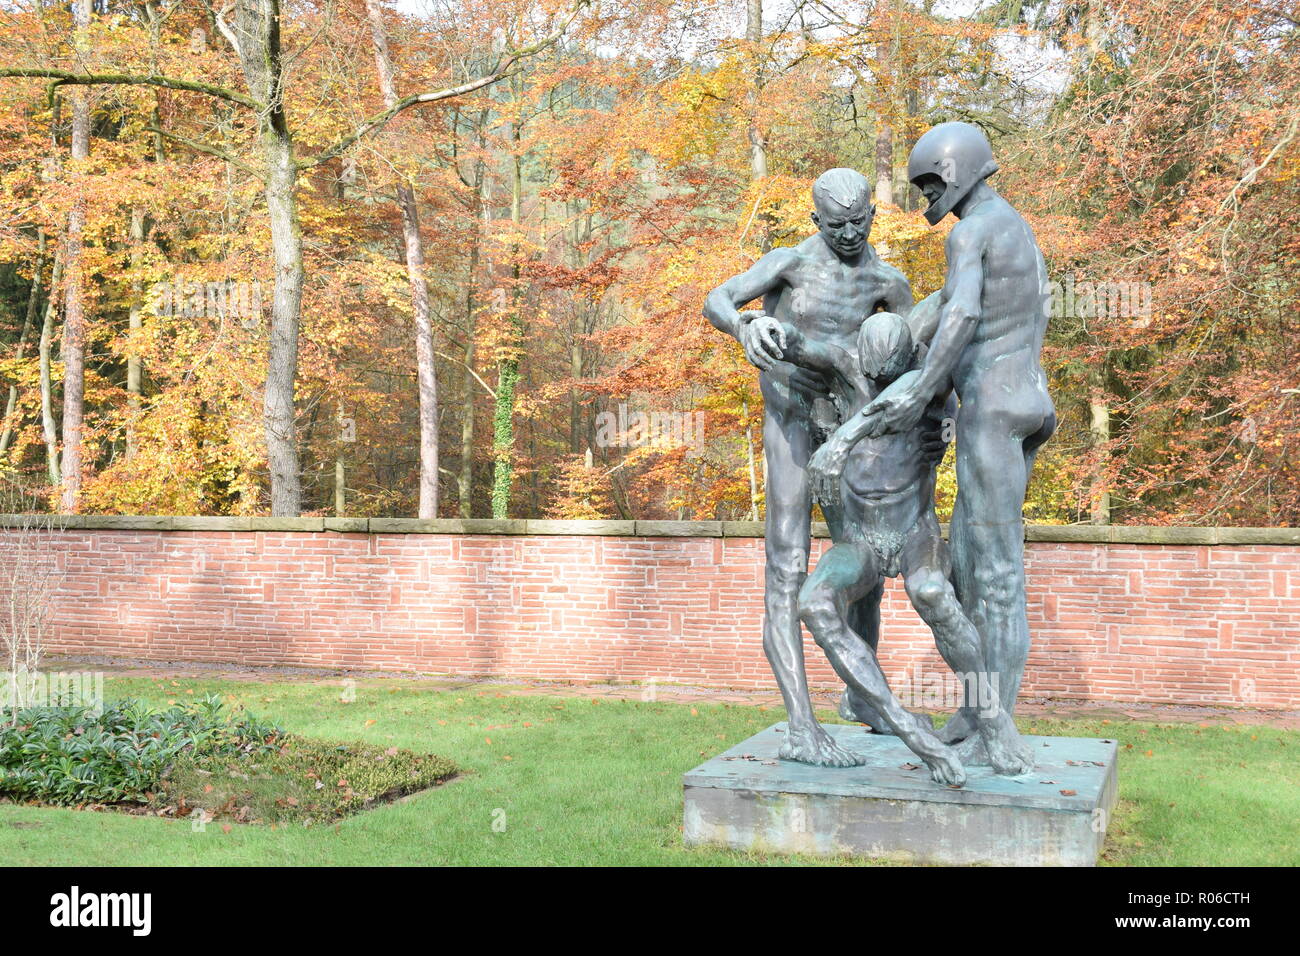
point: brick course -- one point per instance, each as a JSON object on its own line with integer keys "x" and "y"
{"x": 1174, "y": 623}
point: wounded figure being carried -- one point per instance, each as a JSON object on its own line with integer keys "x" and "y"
{"x": 889, "y": 527}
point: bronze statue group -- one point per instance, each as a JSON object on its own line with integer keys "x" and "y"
{"x": 861, "y": 387}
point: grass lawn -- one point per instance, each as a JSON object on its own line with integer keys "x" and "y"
{"x": 553, "y": 780}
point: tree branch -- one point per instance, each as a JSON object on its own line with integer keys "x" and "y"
{"x": 64, "y": 78}
{"x": 499, "y": 72}
{"x": 209, "y": 150}
{"x": 451, "y": 358}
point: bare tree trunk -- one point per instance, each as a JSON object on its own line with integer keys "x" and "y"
{"x": 29, "y": 319}
{"x": 426, "y": 370}
{"x": 1098, "y": 397}
{"x": 134, "y": 323}
{"x": 257, "y": 27}
{"x": 1099, "y": 426}
{"x": 577, "y": 434}
{"x": 887, "y": 55}
{"x": 465, "y": 480}
{"x": 912, "y": 101}
{"x": 340, "y": 487}
{"x": 577, "y": 330}
{"x": 757, "y": 170}
{"x": 884, "y": 163}
{"x": 750, "y": 456}
{"x": 757, "y": 141}
{"x": 49, "y": 427}
{"x": 74, "y": 317}
{"x": 282, "y": 363}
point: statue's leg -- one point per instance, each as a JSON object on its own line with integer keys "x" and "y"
{"x": 786, "y": 438}
{"x": 841, "y": 576}
{"x": 963, "y": 724}
{"x": 863, "y": 617}
{"x": 988, "y": 540}
{"x": 925, "y": 576}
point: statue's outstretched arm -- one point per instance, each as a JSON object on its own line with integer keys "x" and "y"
{"x": 722, "y": 305}
{"x": 814, "y": 353}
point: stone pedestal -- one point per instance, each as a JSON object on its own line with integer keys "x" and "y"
{"x": 748, "y": 799}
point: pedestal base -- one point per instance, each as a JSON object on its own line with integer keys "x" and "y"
{"x": 748, "y": 799}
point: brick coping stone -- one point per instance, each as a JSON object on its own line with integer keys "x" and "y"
{"x": 1082, "y": 534}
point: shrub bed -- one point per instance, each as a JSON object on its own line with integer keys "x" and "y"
{"x": 197, "y": 756}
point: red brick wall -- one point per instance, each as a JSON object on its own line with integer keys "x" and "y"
{"x": 1157, "y": 623}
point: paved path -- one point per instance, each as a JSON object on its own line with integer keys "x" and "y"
{"x": 677, "y": 693}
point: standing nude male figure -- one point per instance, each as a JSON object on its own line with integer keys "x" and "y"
{"x": 985, "y": 329}
{"x": 825, "y": 287}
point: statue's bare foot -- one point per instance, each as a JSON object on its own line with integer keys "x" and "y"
{"x": 855, "y": 707}
{"x": 816, "y": 747}
{"x": 945, "y": 765}
{"x": 960, "y": 726}
{"x": 944, "y": 762}
{"x": 1007, "y": 753}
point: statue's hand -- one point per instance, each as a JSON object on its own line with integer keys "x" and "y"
{"x": 763, "y": 339}
{"x": 825, "y": 469}
{"x": 809, "y": 383}
{"x": 933, "y": 444}
{"x": 895, "y": 413}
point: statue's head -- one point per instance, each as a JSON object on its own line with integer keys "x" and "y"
{"x": 946, "y": 163}
{"x": 842, "y": 210}
{"x": 884, "y": 347}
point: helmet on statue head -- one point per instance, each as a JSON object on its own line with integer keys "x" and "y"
{"x": 947, "y": 162}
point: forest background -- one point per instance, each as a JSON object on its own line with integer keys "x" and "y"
{"x": 447, "y": 258}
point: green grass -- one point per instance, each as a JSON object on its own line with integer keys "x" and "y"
{"x": 572, "y": 781}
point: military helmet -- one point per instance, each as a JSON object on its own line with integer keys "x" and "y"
{"x": 959, "y": 154}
